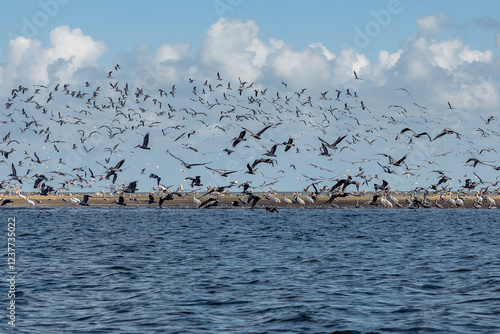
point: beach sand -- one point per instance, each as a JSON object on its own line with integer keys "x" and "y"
{"x": 140, "y": 200}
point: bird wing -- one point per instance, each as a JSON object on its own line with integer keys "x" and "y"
{"x": 146, "y": 140}
{"x": 119, "y": 164}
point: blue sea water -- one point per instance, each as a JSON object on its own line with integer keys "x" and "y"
{"x": 133, "y": 270}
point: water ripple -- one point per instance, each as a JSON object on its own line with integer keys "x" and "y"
{"x": 233, "y": 271}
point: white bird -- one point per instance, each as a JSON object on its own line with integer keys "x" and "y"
{"x": 386, "y": 203}
{"x": 20, "y": 195}
{"x": 30, "y": 202}
{"x": 275, "y": 199}
{"x": 451, "y": 200}
{"x": 309, "y": 199}
{"x": 287, "y": 200}
{"x": 298, "y": 199}
{"x": 197, "y": 201}
{"x": 491, "y": 201}
{"x": 74, "y": 200}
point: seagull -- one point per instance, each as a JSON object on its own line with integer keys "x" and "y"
{"x": 356, "y": 76}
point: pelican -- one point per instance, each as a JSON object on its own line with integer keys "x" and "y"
{"x": 451, "y": 200}
{"x": 287, "y": 200}
{"x": 197, "y": 201}
{"x": 20, "y": 195}
{"x": 385, "y": 202}
{"x": 298, "y": 199}
{"x": 479, "y": 198}
{"x": 30, "y": 202}
{"x": 74, "y": 200}
{"x": 491, "y": 201}
{"x": 309, "y": 199}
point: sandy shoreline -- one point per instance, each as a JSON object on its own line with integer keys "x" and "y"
{"x": 141, "y": 200}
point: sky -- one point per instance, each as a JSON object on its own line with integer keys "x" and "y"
{"x": 439, "y": 52}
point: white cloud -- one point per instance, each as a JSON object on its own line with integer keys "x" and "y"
{"x": 69, "y": 52}
{"x": 232, "y": 46}
{"x": 431, "y": 24}
{"x": 347, "y": 62}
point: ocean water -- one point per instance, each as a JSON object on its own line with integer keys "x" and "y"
{"x": 131, "y": 270}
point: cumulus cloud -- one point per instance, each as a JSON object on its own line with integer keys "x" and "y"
{"x": 232, "y": 46}
{"x": 431, "y": 24}
{"x": 235, "y": 48}
{"x": 69, "y": 51}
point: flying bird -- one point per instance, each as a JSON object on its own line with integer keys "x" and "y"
{"x": 145, "y": 143}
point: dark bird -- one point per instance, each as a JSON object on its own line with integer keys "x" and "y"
{"x": 121, "y": 201}
{"x": 333, "y": 146}
{"x": 254, "y": 199}
{"x": 258, "y": 134}
{"x": 151, "y": 199}
{"x": 212, "y": 201}
{"x": 469, "y": 184}
{"x": 145, "y": 143}
{"x": 374, "y": 199}
{"x": 85, "y": 200}
{"x": 356, "y": 76}
{"x": 154, "y": 176}
{"x": 416, "y": 135}
{"x": 250, "y": 169}
{"x": 111, "y": 171}
{"x": 269, "y": 209}
{"x": 288, "y": 144}
{"x": 13, "y": 175}
{"x": 393, "y": 161}
{"x": 386, "y": 169}
{"x": 185, "y": 164}
{"x": 222, "y": 172}
{"x": 195, "y": 181}
{"x": 239, "y": 139}
{"x": 6, "y": 201}
{"x": 447, "y": 132}
{"x": 272, "y": 151}
{"x": 131, "y": 188}
{"x": 382, "y": 187}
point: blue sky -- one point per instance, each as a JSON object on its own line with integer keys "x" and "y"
{"x": 440, "y": 52}
{"x": 124, "y": 25}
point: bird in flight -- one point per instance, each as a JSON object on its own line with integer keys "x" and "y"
{"x": 145, "y": 143}
{"x": 185, "y": 164}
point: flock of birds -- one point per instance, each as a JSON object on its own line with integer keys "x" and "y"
{"x": 211, "y": 138}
